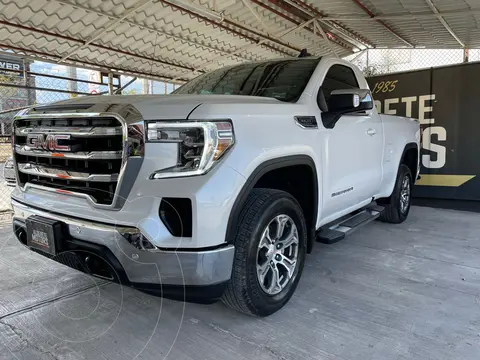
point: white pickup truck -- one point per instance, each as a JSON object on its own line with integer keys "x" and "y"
{"x": 219, "y": 190}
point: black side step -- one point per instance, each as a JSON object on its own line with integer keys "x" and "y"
{"x": 328, "y": 236}
{"x": 337, "y": 231}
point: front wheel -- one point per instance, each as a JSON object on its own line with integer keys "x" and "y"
{"x": 270, "y": 244}
{"x": 396, "y": 211}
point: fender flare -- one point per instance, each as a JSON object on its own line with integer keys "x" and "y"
{"x": 410, "y": 146}
{"x": 261, "y": 170}
{"x": 407, "y": 147}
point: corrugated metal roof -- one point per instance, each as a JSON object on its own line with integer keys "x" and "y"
{"x": 177, "y": 39}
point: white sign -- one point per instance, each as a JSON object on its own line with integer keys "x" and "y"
{"x": 95, "y": 77}
{"x": 9, "y": 66}
{"x": 433, "y": 136}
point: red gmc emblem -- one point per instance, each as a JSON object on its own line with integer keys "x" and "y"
{"x": 47, "y": 142}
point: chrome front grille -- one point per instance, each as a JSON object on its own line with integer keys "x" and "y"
{"x": 77, "y": 155}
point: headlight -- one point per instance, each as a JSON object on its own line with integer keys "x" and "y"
{"x": 200, "y": 144}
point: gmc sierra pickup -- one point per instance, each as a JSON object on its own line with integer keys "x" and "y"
{"x": 220, "y": 189}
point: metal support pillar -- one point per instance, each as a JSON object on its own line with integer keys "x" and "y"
{"x": 110, "y": 83}
{"x": 72, "y": 84}
{"x": 145, "y": 86}
{"x": 25, "y": 74}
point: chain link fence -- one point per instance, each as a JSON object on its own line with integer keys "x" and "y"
{"x": 385, "y": 61}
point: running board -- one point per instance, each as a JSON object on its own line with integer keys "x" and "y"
{"x": 337, "y": 231}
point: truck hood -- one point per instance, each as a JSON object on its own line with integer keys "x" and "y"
{"x": 169, "y": 106}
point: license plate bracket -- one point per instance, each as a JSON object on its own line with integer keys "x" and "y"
{"x": 44, "y": 234}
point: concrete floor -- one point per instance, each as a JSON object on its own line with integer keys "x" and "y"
{"x": 5, "y": 191}
{"x": 410, "y": 291}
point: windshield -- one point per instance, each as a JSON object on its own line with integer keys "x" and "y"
{"x": 284, "y": 80}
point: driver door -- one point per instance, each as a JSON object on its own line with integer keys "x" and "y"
{"x": 353, "y": 150}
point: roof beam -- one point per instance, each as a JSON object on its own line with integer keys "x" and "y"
{"x": 255, "y": 14}
{"x": 296, "y": 27}
{"x": 319, "y": 28}
{"x": 149, "y": 28}
{"x": 409, "y": 16}
{"x": 255, "y": 42}
{"x": 292, "y": 20}
{"x": 279, "y": 35}
{"x": 100, "y": 46}
{"x": 139, "y": 5}
{"x": 236, "y": 32}
{"x": 50, "y": 58}
{"x": 310, "y": 10}
{"x": 270, "y": 32}
{"x": 360, "y": 53}
{"x": 444, "y": 23}
{"x": 385, "y": 25}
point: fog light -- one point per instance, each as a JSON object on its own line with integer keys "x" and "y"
{"x": 138, "y": 240}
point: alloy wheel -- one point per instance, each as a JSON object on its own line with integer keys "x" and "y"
{"x": 277, "y": 254}
{"x": 405, "y": 194}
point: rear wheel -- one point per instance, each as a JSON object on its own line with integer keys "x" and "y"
{"x": 270, "y": 244}
{"x": 398, "y": 207}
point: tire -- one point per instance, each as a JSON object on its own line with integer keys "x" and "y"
{"x": 245, "y": 292}
{"x": 394, "y": 212}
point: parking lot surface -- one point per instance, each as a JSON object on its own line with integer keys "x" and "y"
{"x": 409, "y": 291}
{"x": 4, "y": 192}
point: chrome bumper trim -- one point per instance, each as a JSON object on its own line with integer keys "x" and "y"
{"x": 92, "y": 155}
{"x": 167, "y": 267}
{"x": 44, "y": 171}
{"x": 83, "y": 131}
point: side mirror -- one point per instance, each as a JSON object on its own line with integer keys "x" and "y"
{"x": 346, "y": 101}
{"x": 350, "y": 100}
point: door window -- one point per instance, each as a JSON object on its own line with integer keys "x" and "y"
{"x": 338, "y": 77}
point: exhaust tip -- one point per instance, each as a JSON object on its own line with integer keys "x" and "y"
{"x": 99, "y": 268}
{"x": 22, "y": 235}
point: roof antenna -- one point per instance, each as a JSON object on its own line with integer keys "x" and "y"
{"x": 304, "y": 53}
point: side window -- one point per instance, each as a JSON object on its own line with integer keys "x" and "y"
{"x": 338, "y": 77}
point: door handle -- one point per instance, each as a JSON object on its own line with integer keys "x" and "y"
{"x": 371, "y": 132}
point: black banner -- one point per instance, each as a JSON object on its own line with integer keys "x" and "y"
{"x": 446, "y": 101}
{"x": 11, "y": 63}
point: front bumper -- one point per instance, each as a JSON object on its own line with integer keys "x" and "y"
{"x": 201, "y": 267}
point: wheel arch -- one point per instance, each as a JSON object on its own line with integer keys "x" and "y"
{"x": 389, "y": 186}
{"x": 412, "y": 161}
{"x": 260, "y": 172}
